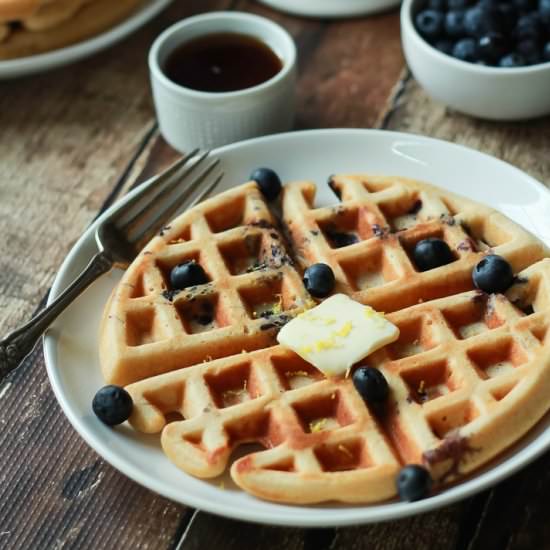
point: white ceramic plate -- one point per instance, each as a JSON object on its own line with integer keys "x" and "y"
{"x": 71, "y": 344}
{"x": 331, "y": 8}
{"x": 25, "y": 66}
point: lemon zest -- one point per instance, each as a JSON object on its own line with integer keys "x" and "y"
{"x": 347, "y": 327}
{"x": 317, "y": 425}
{"x": 293, "y": 373}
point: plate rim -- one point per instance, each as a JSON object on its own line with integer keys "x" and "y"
{"x": 43, "y": 62}
{"x": 353, "y": 515}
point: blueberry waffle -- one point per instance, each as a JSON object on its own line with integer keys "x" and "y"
{"x": 468, "y": 376}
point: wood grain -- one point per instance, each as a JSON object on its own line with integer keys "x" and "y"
{"x": 434, "y": 531}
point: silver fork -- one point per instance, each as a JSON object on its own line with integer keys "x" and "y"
{"x": 119, "y": 239}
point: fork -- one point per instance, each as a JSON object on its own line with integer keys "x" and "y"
{"x": 119, "y": 238}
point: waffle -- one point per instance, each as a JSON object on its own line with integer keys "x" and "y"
{"x": 468, "y": 376}
{"x": 30, "y": 27}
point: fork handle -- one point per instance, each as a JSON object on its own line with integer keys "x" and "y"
{"x": 19, "y": 343}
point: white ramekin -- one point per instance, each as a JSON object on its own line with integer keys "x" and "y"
{"x": 190, "y": 118}
{"x": 486, "y": 92}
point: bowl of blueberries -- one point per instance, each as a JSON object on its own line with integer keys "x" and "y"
{"x": 485, "y": 58}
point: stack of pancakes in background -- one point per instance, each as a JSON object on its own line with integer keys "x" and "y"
{"x": 29, "y": 27}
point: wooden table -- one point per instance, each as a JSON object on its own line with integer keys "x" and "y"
{"x": 71, "y": 142}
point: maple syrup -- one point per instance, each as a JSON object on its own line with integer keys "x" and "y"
{"x": 222, "y": 62}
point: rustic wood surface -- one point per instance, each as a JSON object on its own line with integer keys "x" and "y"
{"x": 71, "y": 142}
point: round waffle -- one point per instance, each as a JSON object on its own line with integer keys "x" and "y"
{"x": 469, "y": 374}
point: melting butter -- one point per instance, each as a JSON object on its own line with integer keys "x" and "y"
{"x": 337, "y": 333}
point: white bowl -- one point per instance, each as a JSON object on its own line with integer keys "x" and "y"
{"x": 486, "y": 92}
{"x": 189, "y": 118}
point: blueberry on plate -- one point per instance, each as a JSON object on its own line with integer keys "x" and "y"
{"x": 268, "y": 182}
{"x": 493, "y": 274}
{"x": 112, "y": 405}
{"x": 319, "y": 280}
{"x": 512, "y": 61}
{"x": 371, "y": 385}
{"x": 431, "y": 253}
{"x": 430, "y": 23}
{"x": 466, "y": 50}
{"x": 454, "y": 24}
{"x": 491, "y": 47}
{"x": 187, "y": 274}
{"x": 414, "y": 482}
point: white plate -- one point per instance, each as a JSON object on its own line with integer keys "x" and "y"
{"x": 330, "y": 8}
{"x": 24, "y": 66}
{"x": 71, "y": 345}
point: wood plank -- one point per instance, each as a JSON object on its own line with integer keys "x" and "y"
{"x": 516, "y": 514}
{"x": 434, "y": 530}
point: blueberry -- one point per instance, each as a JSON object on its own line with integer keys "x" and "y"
{"x": 319, "y": 280}
{"x": 430, "y": 23}
{"x": 529, "y": 27}
{"x": 454, "y": 24}
{"x": 512, "y": 61}
{"x": 457, "y": 4}
{"x": 414, "y": 482}
{"x": 529, "y": 49}
{"x": 491, "y": 47}
{"x": 187, "y": 274}
{"x": 465, "y": 50}
{"x": 544, "y": 11}
{"x": 268, "y": 181}
{"x": 475, "y": 22}
{"x": 493, "y": 274}
{"x": 437, "y": 5}
{"x": 371, "y": 385}
{"x": 490, "y": 5}
{"x": 546, "y": 52}
{"x": 444, "y": 46}
{"x": 432, "y": 253}
{"x": 524, "y": 6}
{"x": 507, "y": 14}
{"x": 112, "y": 405}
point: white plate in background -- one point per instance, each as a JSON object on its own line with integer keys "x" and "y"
{"x": 24, "y": 66}
{"x": 71, "y": 345}
{"x": 330, "y": 8}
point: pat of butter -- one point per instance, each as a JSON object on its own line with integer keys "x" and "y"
{"x": 337, "y": 333}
